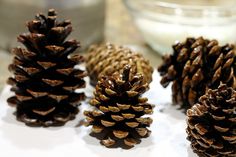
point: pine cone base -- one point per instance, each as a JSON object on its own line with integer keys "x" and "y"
{"x": 114, "y": 137}
{"x": 57, "y": 118}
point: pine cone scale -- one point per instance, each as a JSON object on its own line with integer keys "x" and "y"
{"x": 44, "y": 113}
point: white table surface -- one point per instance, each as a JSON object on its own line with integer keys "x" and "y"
{"x": 168, "y": 138}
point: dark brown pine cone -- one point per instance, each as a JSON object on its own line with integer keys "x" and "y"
{"x": 212, "y": 123}
{"x": 195, "y": 66}
{"x": 108, "y": 58}
{"x": 118, "y": 116}
{"x": 45, "y": 79}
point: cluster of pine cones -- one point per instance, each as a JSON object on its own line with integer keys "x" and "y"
{"x": 203, "y": 76}
{"x": 46, "y": 79}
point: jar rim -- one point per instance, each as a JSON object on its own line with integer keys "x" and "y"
{"x": 164, "y": 7}
{"x": 196, "y": 7}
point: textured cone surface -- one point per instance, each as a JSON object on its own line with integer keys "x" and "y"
{"x": 119, "y": 109}
{"x": 108, "y": 58}
{"x": 195, "y": 66}
{"x": 45, "y": 80}
{"x": 212, "y": 123}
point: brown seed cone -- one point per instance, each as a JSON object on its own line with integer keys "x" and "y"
{"x": 195, "y": 66}
{"x": 212, "y": 123}
{"x": 45, "y": 79}
{"x": 107, "y": 58}
{"x": 119, "y": 112}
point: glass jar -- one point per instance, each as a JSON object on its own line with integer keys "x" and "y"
{"x": 163, "y": 22}
{"x": 87, "y": 18}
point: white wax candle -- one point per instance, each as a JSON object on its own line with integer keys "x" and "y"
{"x": 162, "y": 35}
{"x": 164, "y": 25}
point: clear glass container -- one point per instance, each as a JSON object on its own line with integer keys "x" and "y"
{"x": 163, "y": 22}
{"x": 87, "y": 18}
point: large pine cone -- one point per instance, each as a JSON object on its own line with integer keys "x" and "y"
{"x": 107, "y": 58}
{"x": 45, "y": 79}
{"x": 195, "y": 66}
{"x": 212, "y": 123}
{"x": 119, "y": 109}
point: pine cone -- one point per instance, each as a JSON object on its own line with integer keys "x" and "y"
{"x": 195, "y": 66}
{"x": 212, "y": 123}
{"x": 45, "y": 79}
{"x": 119, "y": 109}
{"x": 108, "y": 58}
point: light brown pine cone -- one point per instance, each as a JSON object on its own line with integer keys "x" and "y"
{"x": 107, "y": 58}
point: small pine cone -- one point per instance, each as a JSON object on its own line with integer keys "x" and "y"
{"x": 119, "y": 112}
{"x": 195, "y": 66}
{"x": 108, "y": 58}
{"x": 212, "y": 123}
{"x": 45, "y": 79}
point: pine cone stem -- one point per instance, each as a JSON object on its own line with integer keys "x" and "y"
{"x": 126, "y": 72}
